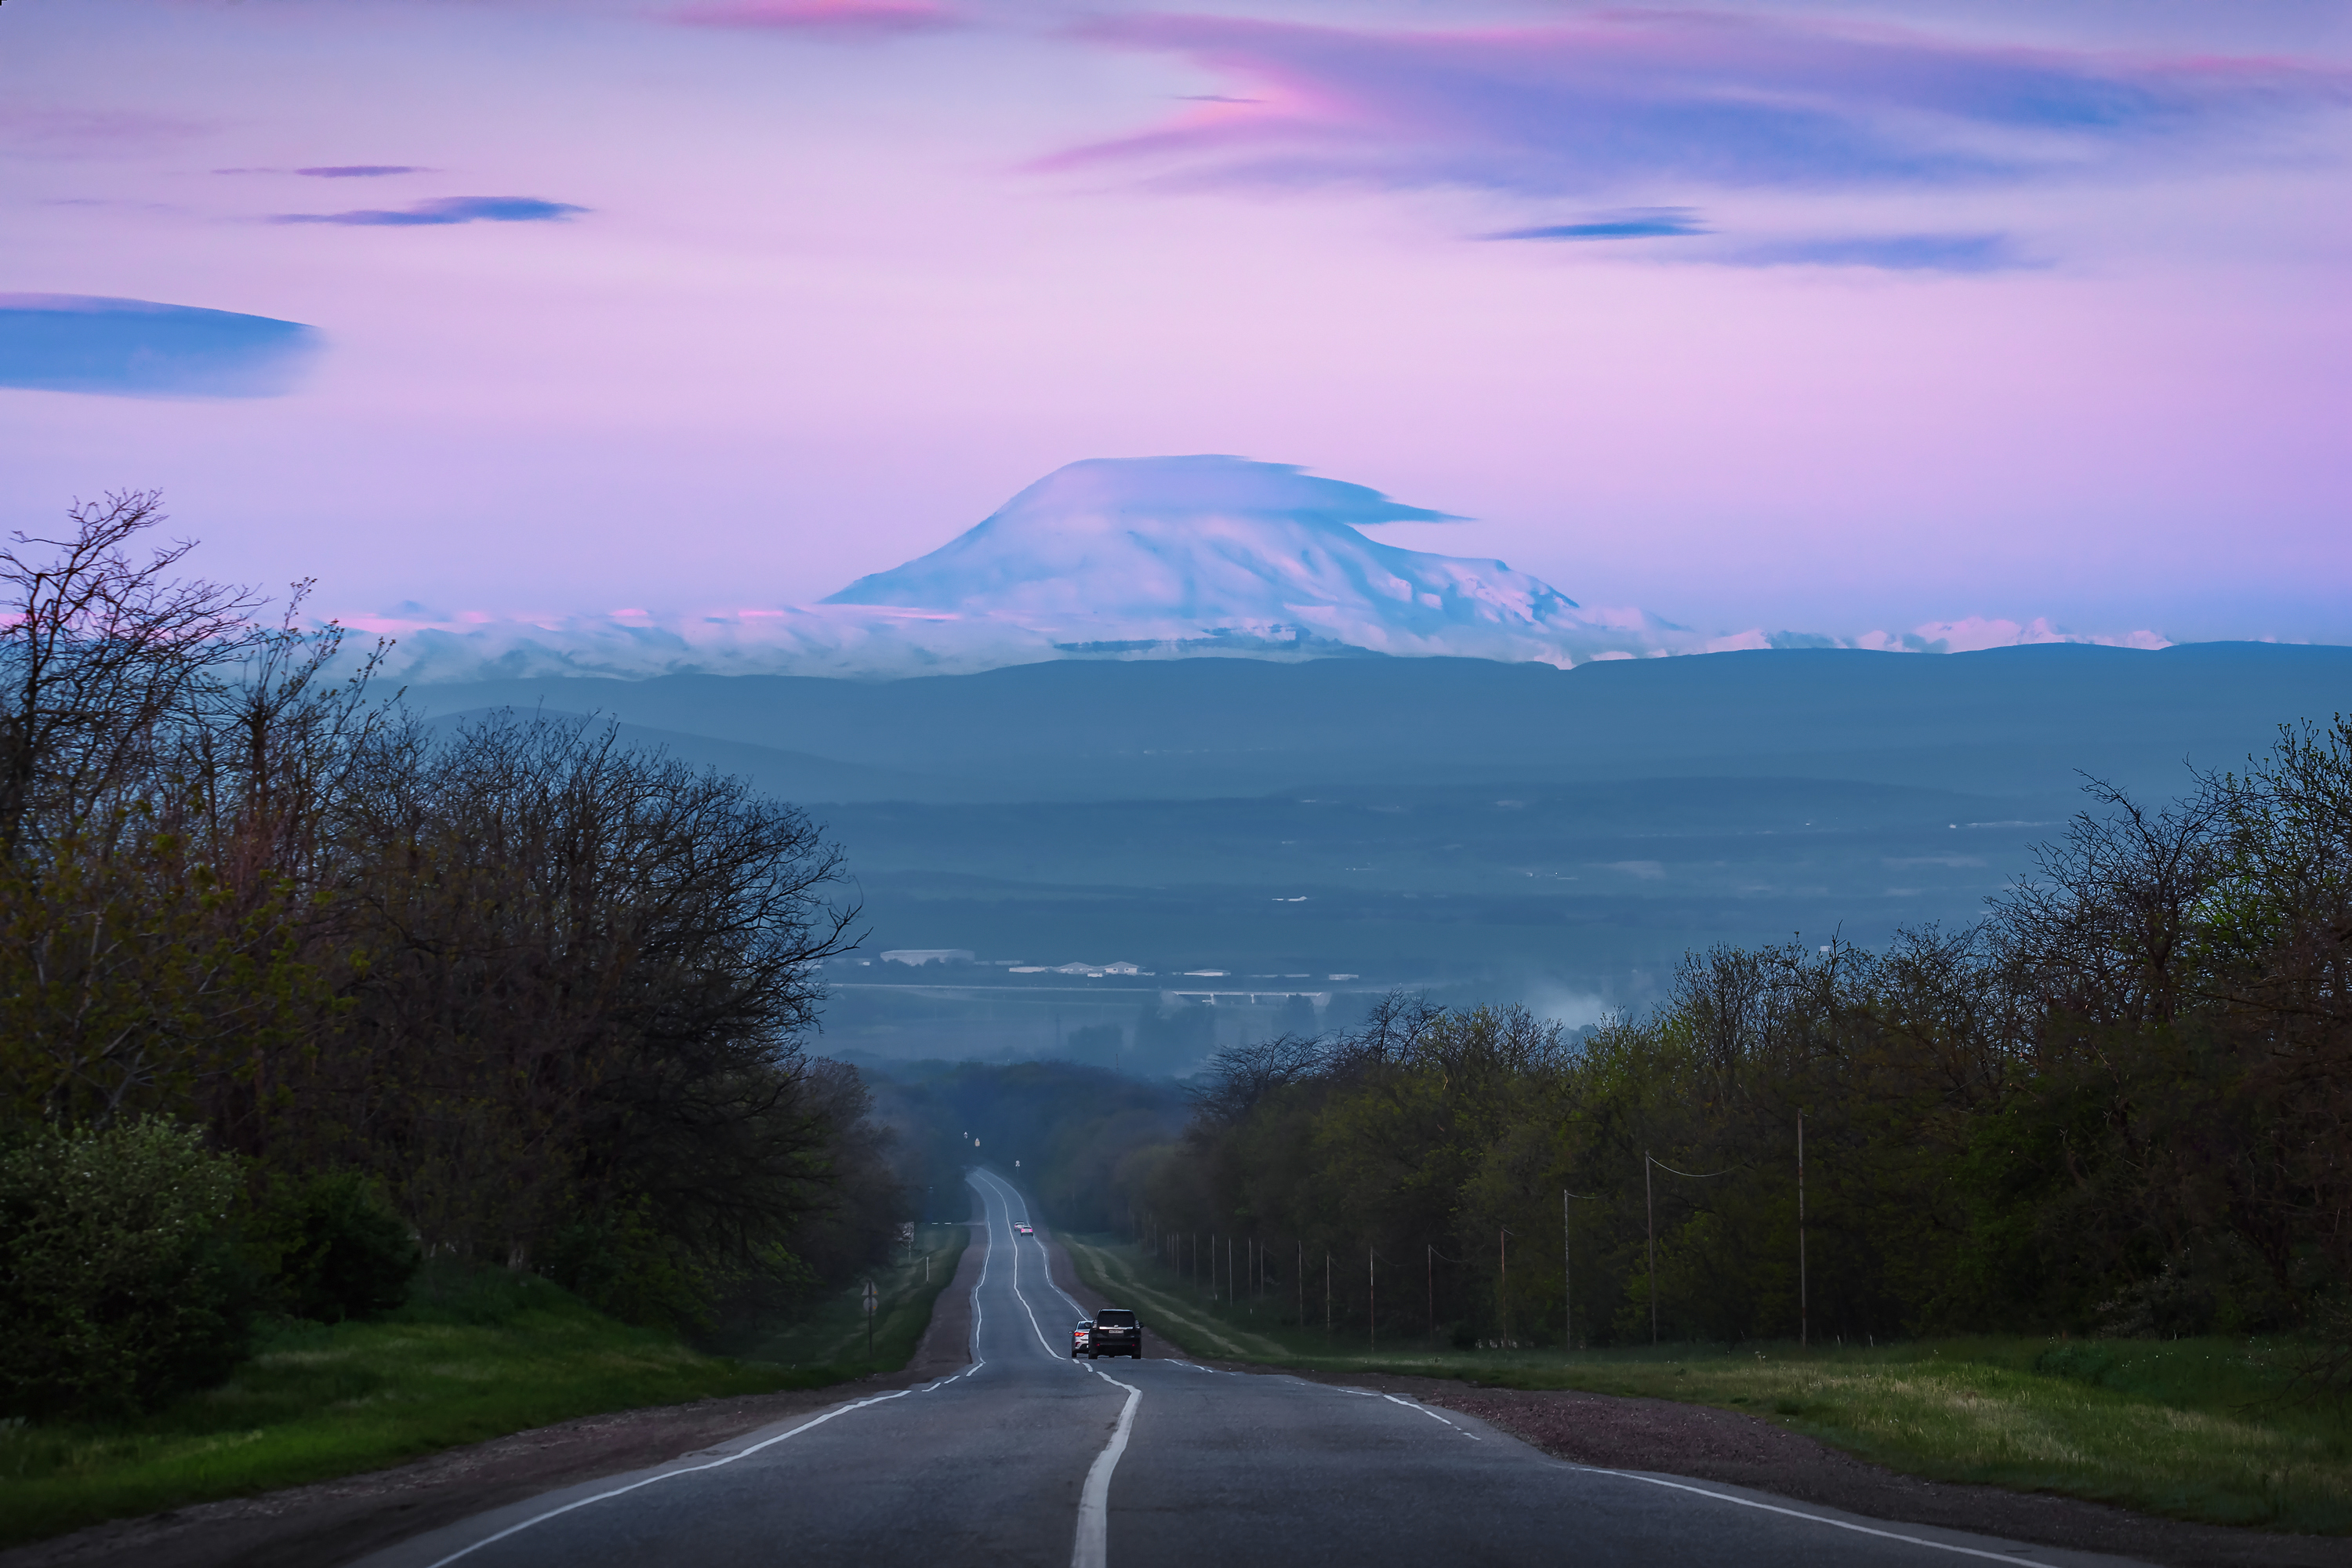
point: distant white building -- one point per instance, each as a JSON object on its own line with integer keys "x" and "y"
{"x": 916, "y": 957}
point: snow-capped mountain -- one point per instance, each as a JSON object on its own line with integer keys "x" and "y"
{"x": 1139, "y": 553}
{"x": 1132, "y": 558}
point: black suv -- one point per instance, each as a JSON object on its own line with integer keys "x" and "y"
{"x": 1115, "y": 1333}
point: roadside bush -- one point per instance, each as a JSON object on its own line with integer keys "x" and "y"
{"x": 346, "y": 1255}
{"x": 621, "y": 1264}
{"x": 118, "y": 1283}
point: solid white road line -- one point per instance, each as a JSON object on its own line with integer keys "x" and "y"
{"x": 666, "y": 1474}
{"x": 986, "y": 1258}
{"x": 1815, "y": 1518}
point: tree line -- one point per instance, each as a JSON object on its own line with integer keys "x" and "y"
{"x": 503, "y": 990}
{"x": 2122, "y": 1103}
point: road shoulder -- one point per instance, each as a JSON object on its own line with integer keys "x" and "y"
{"x": 1662, "y": 1437}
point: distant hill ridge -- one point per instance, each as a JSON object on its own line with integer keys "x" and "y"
{"x": 2012, "y": 719}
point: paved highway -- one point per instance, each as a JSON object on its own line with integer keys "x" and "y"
{"x": 1027, "y": 1456}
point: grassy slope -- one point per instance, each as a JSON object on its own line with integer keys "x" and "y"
{"x": 2201, "y": 1429}
{"x": 320, "y": 1402}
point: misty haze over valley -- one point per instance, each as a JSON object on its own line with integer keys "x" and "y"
{"x": 1232, "y": 808}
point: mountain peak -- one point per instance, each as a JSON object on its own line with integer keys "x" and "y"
{"x": 1201, "y": 546}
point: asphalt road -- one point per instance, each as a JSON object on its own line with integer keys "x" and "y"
{"x": 1027, "y": 1456}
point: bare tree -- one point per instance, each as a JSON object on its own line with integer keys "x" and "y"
{"x": 98, "y": 652}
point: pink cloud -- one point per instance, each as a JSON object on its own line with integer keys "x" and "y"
{"x": 1688, "y": 96}
{"x": 840, "y": 19}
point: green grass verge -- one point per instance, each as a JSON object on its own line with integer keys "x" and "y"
{"x": 472, "y": 1357}
{"x": 2203, "y": 1429}
{"x": 831, "y": 1337}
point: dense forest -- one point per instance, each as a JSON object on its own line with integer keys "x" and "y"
{"x": 296, "y": 988}
{"x": 2121, "y": 1103}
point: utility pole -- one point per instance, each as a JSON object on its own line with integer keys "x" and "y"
{"x": 1302, "y": 1284}
{"x": 1326, "y": 1295}
{"x": 1804, "y": 1324}
{"x": 1428, "y": 1261}
{"x": 1502, "y": 1284}
{"x": 1650, "y": 1213}
{"x": 1372, "y": 1297}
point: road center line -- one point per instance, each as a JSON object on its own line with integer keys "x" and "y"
{"x": 1092, "y": 1549}
{"x": 1815, "y": 1518}
{"x": 1014, "y": 1236}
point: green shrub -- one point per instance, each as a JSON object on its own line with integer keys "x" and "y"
{"x": 118, "y": 1283}
{"x": 621, "y": 1264}
{"x": 345, "y": 1254}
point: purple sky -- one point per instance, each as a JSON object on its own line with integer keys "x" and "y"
{"x": 1828, "y": 317}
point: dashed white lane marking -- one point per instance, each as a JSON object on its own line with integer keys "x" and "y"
{"x": 1952, "y": 1547}
{"x": 1433, "y": 1414}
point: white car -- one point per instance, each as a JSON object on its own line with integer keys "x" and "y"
{"x": 1024, "y": 1230}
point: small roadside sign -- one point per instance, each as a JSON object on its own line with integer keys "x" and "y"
{"x": 873, "y": 1299}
